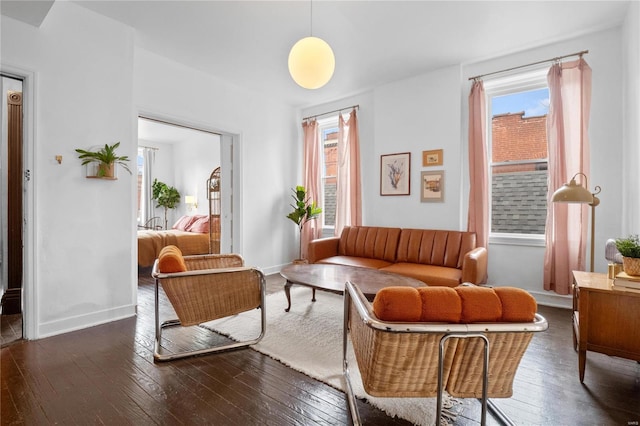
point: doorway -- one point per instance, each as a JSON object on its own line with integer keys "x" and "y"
{"x": 12, "y": 215}
{"x": 184, "y": 156}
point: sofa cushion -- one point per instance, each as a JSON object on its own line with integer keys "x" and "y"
{"x": 435, "y": 247}
{"x": 364, "y": 262}
{"x": 369, "y": 241}
{"x": 398, "y": 304}
{"x": 428, "y": 274}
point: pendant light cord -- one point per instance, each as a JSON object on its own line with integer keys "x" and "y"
{"x": 311, "y": 18}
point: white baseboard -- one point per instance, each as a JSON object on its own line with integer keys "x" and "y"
{"x": 78, "y": 322}
{"x": 548, "y": 298}
{"x": 274, "y": 269}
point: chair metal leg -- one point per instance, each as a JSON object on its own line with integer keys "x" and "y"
{"x": 351, "y": 398}
{"x": 485, "y": 374}
{"x": 157, "y": 356}
{"x": 499, "y": 414}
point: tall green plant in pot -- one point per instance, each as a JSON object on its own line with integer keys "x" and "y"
{"x": 304, "y": 210}
{"x": 166, "y": 196}
{"x": 629, "y": 248}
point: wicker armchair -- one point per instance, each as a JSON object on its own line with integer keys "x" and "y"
{"x": 208, "y": 287}
{"x": 420, "y": 359}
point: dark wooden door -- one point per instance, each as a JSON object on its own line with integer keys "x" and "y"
{"x": 12, "y": 298}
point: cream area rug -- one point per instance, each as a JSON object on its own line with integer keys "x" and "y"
{"x": 308, "y": 339}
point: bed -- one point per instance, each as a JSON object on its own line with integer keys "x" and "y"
{"x": 190, "y": 234}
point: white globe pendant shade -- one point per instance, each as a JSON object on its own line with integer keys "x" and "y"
{"x": 311, "y": 62}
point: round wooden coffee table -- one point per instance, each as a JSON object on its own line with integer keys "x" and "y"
{"x": 332, "y": 278}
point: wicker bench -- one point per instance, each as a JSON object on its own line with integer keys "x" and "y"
{"x": 423, "y": 359}
{"x": 203, "y": 288}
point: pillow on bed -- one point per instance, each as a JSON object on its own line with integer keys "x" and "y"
{"x": 183, "y": 223}
{"x": 200, "y": 225}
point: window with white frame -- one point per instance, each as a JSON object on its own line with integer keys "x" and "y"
{"x": 517, "y": 112}
{"x": 329, "y": 136}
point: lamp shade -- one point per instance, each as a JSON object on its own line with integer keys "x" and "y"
{"x": 190, "y": 199}
{"x": 311, "y": 62}
{"x": 572, "y": 193}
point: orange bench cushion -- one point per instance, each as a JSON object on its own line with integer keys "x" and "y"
{"x": 171, "y": 260}
{"x": 463, "y": 304}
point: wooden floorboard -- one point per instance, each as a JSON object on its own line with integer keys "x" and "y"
{"x": 106, "y": 375}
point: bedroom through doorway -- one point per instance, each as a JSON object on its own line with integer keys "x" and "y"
{"x": 195, "y": 165}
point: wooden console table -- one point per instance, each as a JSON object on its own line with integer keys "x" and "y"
{"x": 605, "y": 319}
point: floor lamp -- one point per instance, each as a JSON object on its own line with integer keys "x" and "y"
{"x": 573, "y": 193}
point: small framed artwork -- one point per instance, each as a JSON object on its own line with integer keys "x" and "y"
{"x": 432, "y": 158}
{"x": 395, "y": 173}
{"x": 432, "y": 186}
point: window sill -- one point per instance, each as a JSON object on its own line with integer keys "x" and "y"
{"x": 517, "y": 240}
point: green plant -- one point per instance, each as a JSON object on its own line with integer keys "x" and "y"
{"x": 304, "y": 210}
{"x": 104, "y": 156}
{"x": 629, "y": 247}
{"x": 166, "y": 196}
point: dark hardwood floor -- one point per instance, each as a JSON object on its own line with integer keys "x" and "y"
{"x": 11, "y": 329}
{"x": 106, "y": 375}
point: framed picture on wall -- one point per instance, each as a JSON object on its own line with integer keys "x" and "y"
{"x": 432, "y": 158}
{"x": 395, "y": 174}
{"x": 432, "y": 186}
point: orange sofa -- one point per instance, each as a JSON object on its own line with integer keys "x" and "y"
{"x": 435, "y": 257}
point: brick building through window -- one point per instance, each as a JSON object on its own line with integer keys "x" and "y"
{"x": 518, "y": 173}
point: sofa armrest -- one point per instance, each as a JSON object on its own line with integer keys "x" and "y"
{"x": 322, "y": 248}
{"x": 474, "y": 266}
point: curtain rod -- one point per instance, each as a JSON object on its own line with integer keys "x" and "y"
{"x": 584, "y": 52}
{"x": 149, "y": 147}
{"x": 331, "y": 112}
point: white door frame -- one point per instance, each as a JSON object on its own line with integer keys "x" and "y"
{"x": 230, "y": 167}
{"x": 30, "y": 313}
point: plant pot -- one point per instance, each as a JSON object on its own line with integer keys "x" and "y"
{"x": 631, "y": 265}
{"x": 106, "y": 170}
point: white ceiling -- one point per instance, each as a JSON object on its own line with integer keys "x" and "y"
{"x": 247, "y": 42}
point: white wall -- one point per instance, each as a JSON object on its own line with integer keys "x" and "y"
{"x": 84, "y": 255}
{"x": 195, "y": 159}
{"x": 267, "y": 145}
{"x": 631, "y": 121}
{"x": 186, "y": 164}
{"x": 526, "y": 263}
{"x": 91, "y": 87}
{"x": 430, "y": 112}
{"x": 414, "y": 115}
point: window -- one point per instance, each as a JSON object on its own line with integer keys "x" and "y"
{"x": 329, "y": 136}
{"x": 517, "y": 111}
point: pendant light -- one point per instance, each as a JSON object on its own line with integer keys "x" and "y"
{"x": 311, "y": 61}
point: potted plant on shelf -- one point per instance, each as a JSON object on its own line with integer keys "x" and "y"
{"x": 106, "y": 159}
{"x": 629, "y": 248}
{"x": 166, "y": 196}
{"x": 304, "y": 210}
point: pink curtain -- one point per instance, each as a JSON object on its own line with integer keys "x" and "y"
{"x": 312, "y": 176}
{"x": 567, "y": 134}
{"x": 349, "y": 192}
{"x": 478, "y": 219}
